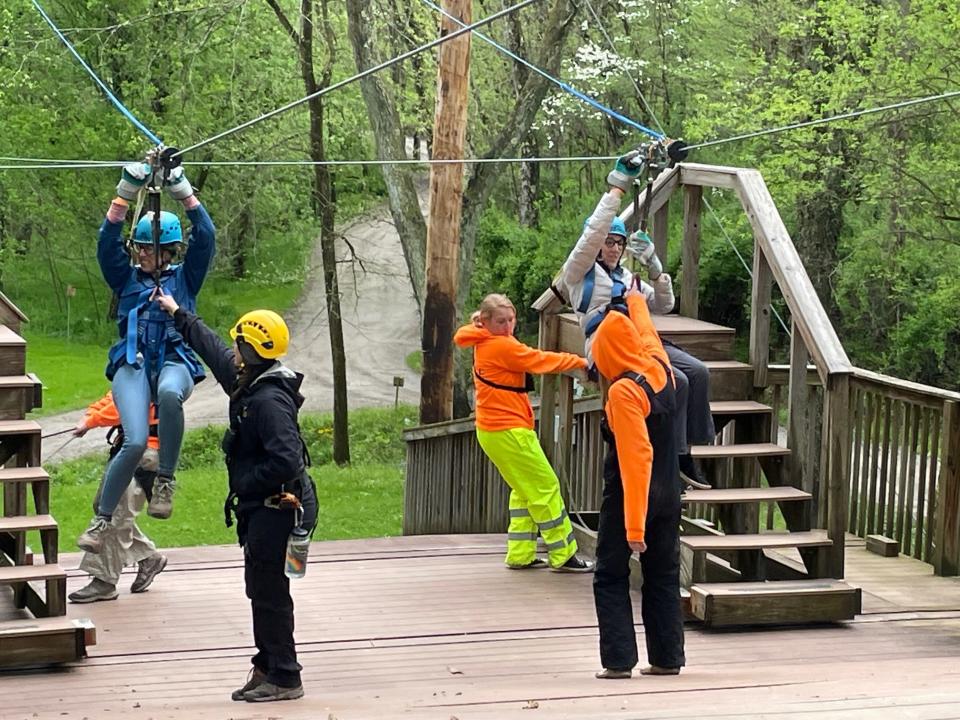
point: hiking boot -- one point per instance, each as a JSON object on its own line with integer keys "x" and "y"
{"x": 161, "y": 504}
{"x": 575, "y": 564}
{"x": 268, "y": 692}
{"x": 614, "y": 674}
{"x": 94, "y": 591}
{"x": 254, "y": 678}
{"x": 532, "y": 565}
{"x": 91, "y": 539}
{"x": 690, "y": 474}
{"x": 147, "y": 570}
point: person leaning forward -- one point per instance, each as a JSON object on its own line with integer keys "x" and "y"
{"x": 265, "y": 457}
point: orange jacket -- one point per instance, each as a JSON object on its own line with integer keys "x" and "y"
{"x": 504, "y": 360}
{"x": 103, "y": 413}
{"x": 624, "y": 344}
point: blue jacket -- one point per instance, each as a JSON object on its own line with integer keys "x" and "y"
{"x": 144, "y": 328}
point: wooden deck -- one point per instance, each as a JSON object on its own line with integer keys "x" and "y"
{"x": 435, "y": 627}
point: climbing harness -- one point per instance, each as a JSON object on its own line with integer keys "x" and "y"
{"x": 528, "y": 385}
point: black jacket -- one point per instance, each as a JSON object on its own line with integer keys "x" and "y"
{"x": 263, "y": 448}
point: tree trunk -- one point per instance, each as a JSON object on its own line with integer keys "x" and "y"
{"x": 324, "y": 208}
{"x": 390, "y": 142}
{"x": 443, "y": 232}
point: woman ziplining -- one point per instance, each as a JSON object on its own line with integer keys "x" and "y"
{"x": 151, "y": 362}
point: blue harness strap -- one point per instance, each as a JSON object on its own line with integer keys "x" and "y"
{"x": 133, "y": 324}
{"x": 617, "y": 301}
{"x": 588, "y": 282}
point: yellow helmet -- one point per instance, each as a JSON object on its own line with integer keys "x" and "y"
{"x": 265, "y": 331}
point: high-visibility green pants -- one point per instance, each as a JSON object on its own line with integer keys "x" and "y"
{"x": 535, "y": 501}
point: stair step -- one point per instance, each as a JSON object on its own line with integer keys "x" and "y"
{"x": 739, "y": 407}
{"x": 13, "y": 352}
{"x": 745, "y": 495}
{"x": 43, "y": 641}
{"x": 743, "y": 450}
{"x": 23, "y": 475}
{"x": 25, "y": 523}
{"x": 19, "y": 427}
{"x": 19, "y": 394}
{"x": 729, "y": 379}
{"x": 774, "y": 603}
{"x": 701, "y": 339}
{"x": 30, "y": 573}
{"x": 755, "y": 541}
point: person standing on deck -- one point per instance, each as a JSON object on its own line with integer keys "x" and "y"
{"x": 640, "y": 506}
{"x": 501, "y": 364}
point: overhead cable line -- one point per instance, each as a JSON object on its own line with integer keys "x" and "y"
{"x": 831, "y": 118}
{"x": 100, "y": 164}
{"x": 706, "y": 202}
{"x": 358, "y": 76}
{"x": 119, "y": 105}
{"x": 556, "y": 81}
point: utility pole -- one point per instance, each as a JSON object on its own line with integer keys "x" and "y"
{"x": 443, "y": 230}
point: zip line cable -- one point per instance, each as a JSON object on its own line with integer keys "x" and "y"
{"x": 832, "y": 118}
{"x": 556, "y": 81}
{"x": 706, "y": 202}
{"x": 358, "y": 76}
{"x": 119, "y": 105}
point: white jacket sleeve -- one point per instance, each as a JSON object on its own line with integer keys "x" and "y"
{"x": 584, "y": 253}
{"x": 659, "y": 296}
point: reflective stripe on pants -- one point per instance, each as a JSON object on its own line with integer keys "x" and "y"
{"x": 536, "y": 506}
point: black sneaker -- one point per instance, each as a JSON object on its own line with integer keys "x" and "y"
{"x": 575, "y": 564}
{"x": 268, "y": 692}
{"x": 148, "y": 569}
{"x": 254, "y": 679}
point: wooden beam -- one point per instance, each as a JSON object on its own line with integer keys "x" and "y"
{"x": 946, "y": 558}
{"x": 838, "y": 419}
{"x": 708, "y": 175}
{"x": 549, "y": 330}
{"x": 792, "y": 279}
{"x": 690, "y": 251}
{"x": 760, "y": 317}
{"x": 663, "y": 188}
{"x": 661, "y": 230}
{"x": 446, "y": 206}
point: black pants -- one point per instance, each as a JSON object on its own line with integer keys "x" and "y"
{"x": 660, "y": 593}
{"x": 264, "y": 554}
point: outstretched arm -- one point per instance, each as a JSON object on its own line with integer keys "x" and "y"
{"x": 205, "y": 342}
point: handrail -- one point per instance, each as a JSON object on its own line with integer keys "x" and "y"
{"x": 778, "y": 249}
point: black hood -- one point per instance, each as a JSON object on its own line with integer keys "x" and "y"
{"x": 283, "y": 377}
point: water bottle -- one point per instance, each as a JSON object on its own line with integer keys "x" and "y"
{"x": 298, "y": 546}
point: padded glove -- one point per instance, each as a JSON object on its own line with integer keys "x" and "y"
{"x": 132, "y": 179}
{"x": 626, "y": 171}
{"x": 177, "y": 185}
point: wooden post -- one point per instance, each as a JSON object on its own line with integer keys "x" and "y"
{"x": 443, "y": 231}
{"x": 690, "y": 252}
{"x": 760, "y": 317}
{"x": 549, "y": 329}
{"x": 946, "y": 557}
{"x": 837, "y": 408}
{"x": 660, "y": 228}
{"x": 561, "y": 460}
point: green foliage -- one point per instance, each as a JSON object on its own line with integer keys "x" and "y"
{"x": 375, "y": 434}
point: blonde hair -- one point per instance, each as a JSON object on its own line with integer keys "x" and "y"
{"x": 490, "y": 303}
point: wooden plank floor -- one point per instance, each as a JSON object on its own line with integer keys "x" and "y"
{"x": 435, "y": 627}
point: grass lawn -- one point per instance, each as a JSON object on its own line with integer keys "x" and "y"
{"x": 71, "y": 372}
{"x": 363, "y": 500}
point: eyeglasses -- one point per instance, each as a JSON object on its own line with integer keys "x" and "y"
{"x": 615, "y": 240}
{"x": 148, "y": 249}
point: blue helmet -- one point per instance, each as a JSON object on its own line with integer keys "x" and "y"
{"x": 616, "y": 227}
{"x": 170, "y": 231}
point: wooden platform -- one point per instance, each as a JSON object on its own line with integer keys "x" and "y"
{"x": 435, "y": 628}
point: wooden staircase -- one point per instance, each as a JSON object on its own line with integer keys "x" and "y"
{"x": 34, "y": 628}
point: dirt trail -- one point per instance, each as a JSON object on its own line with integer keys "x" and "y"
{"x": 380, "y": 323}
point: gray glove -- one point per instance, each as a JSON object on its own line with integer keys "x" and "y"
{"x": 641, "y": 248}
{"x": 177, "y": 185}
{"x": 626, "y": 171}
{"x": 132, "y": 179}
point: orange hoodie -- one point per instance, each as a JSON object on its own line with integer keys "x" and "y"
{"x": 502, "y": 359}
{"x": 626, "y": 344}
{"x": 103, "y": 413}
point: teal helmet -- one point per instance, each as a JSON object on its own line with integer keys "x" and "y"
{"x": 617, "y": 227}
{"x": 170, "y": 231}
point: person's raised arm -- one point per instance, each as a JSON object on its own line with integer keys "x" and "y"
{"x": 111, "y": 255}
{"x": 202, "y": 244}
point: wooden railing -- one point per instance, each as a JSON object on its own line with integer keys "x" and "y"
{"x": 904, "y": 473}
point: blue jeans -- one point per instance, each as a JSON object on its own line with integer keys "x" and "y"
{"x": 132, "y": 394}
